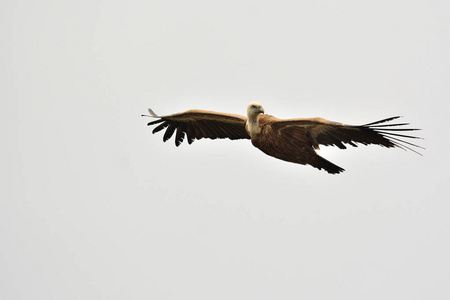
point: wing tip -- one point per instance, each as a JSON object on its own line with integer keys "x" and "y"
{"x": 152, "y": 113}
{"x": 392, "y": 136}
{"x": 383, "y": 121}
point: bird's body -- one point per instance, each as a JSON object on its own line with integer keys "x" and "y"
{"x": 289, "y": 144}
{"x": 292, "y": 140}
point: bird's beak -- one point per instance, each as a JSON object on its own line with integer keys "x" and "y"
{"x": 261, "y": 110}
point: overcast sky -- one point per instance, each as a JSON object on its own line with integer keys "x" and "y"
{"x": 93, "y": 206}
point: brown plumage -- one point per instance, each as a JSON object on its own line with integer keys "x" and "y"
{"x": 292, "y": 140}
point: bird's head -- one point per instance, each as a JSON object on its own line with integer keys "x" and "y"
{"x": 254, "y": 109}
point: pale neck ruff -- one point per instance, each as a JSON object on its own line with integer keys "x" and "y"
{"x": 253, "y": 125}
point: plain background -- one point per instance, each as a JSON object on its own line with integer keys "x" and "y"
{"x": 93, "y": 206}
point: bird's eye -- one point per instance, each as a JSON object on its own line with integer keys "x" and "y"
{"x": 253, "y": 106}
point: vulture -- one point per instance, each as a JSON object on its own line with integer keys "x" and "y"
{"x": 292, "y": 140}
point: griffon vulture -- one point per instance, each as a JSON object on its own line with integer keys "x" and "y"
{"x": 292, "y": 140}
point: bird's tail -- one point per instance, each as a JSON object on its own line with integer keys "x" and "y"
{"x": 321, "y": 163}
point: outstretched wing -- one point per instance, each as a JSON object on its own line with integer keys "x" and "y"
{"x": 198, "y": 124}
{"x": 323, "y": 132}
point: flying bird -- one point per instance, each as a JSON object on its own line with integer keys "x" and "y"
{"x": 292, "y": 140}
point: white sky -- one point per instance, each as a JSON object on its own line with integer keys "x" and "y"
{"x": 96, "y": 207}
